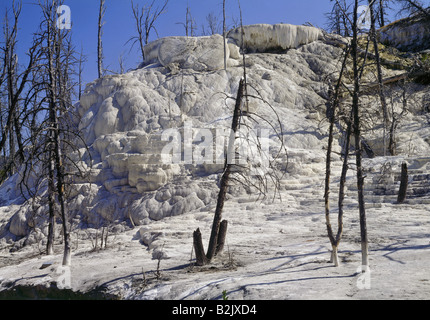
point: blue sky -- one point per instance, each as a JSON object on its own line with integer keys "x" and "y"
{"x": 119, "y": 23}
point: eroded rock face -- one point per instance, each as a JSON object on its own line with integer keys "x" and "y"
{"x": 196, "y": 53}
{"x": 267, "y": 37}
{"x": 410, "y": 34}
{"x": 18, "y": 223}
{"x": 183, "y": 84}
{"x": 207, "y": 53}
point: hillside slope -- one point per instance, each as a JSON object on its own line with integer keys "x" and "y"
{"x": 151, "y": 200}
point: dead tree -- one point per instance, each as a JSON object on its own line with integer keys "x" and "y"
{"x": 11, "y": 69}
{"x": 145, "y": 19}
{"x": 403, "y": 184}
{"x": 215, "y": 239}
{"x": 380, "y": 76}
{"x": 382, "y": 6}
{"x": 338, "y": 18}
{"x": 413, "y": 7}
{"x": 358, "y": 151}
{"x": 238, "y": 172}
{"x": 55, "y": 140}
{"x": 234, "y": 172}
{"x": 225, "y": 177}
{"x": 212, "y": 248}
{"x": 397, "y": 117}
{"x": 3, "y": 108}
{"x": 213, "y": 27}
{"x": 15, "y": 85}
{"x": 189, "y": 24}
{"x": 224, "y": 32}
{"x": 352, "y": 120}
{"x": 102, "y": 11}
{"x": 242, "y": 33}
{"x": 82, "y": 60}
{"x": 54, "y": 46}
{"x": 333, "y": 107}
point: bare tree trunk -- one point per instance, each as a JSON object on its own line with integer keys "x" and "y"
{"x": 60, "y": 191}
{"x": 189, "y": 23}
{"x": 224, "y": 34}
{"x": 80, "y": 71}
{"x": 62, "y": 200}
{"x": 11, "y": 133}
{"x": 54, "y": 48}
{"x": 381, "y": 13}
{"x": 380, "y": 77}
{"x": 358, "y": 151}
{"x": 51, "y": 200}
{"x": 225, "y": 177}
{"x": 334, "y": 255}
{"x": 51, "y": 221}
{"x": 245, "y": 80}
{"x": 18, "y": 135}
{"x": 221, "y": 236}
{"x": 392, "y": 140}
{"x": 217, "y": 237}
{"x": 403, "y": 184}
{"x": 99, "y": 39}
{"x": 10, "y": 58}
{"x": 333, "y": 105}
{"x": 395, "y": 121}
{"x": 213, "y": 241}
{"x": 341, "y": 198}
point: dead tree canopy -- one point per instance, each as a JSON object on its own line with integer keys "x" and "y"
{"x": 413, "y": 7}
{"x": 145, "y": 18}
{"x": 14, "y": 80}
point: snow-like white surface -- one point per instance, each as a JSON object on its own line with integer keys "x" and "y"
{"x": 274, "y": 250}
{"x": 196, "y": 53}
{"x": 123, "y": 118}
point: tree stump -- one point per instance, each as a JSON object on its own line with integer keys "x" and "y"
{"x": 201, "y": 259}
{"x": 403, "y": 184}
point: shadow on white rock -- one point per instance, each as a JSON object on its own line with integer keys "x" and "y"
{"x": 267, "y": 37}
{"x": 196, "y": 53}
